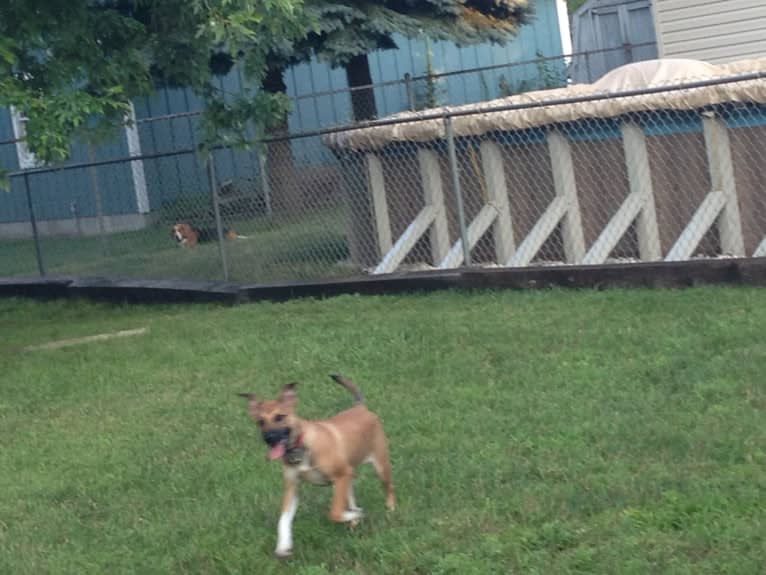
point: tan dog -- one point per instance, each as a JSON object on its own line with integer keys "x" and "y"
{"x": 189, "y": 236}
{"x": 321, "y": 452}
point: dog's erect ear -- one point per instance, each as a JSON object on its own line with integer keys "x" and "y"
{"x": 289, "y": 394}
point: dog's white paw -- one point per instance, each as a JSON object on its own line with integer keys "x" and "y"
{"x": 353, "y": 517}
{"x": 283, "y": 553}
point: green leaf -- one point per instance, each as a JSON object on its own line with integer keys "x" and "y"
{"x": 77, "y": 80}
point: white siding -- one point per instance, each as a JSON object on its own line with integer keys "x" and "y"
{"x": 715, "y": 31}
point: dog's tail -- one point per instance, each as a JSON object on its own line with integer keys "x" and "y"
{"x": 232, "y": 235}
{"x": 351, "y": 386}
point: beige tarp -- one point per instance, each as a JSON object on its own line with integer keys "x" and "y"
{"x": 652, "y": 73}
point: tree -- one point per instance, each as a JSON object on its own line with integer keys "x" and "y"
{"x": 73, "y": 66}
{"x": 573, "y": 5}
{"x": 348, "y": 31}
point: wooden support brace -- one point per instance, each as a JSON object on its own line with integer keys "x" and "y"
{"x": 539, "y": 233}
{"x": 497, "y": 190}
{"x": 640, "y": 180}
{"x": 433, "y": 194}
{"x": 704, "y": 217}
{"x": 614, "y": 230}
{"x": 406, "y": 242}
{"x": 379, "y": 204}
{"x": 476, "y": 230}
{"x": 721, "y": 169}
{"x": 433, "y": 215}
{"x": 566, "y": 188}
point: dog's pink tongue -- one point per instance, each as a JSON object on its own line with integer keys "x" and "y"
{"x": 277, "y": 452}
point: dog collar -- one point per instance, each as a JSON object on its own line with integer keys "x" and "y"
{"x": 295, "y": 453}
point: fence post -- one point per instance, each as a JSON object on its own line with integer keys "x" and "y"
{"x": 450, "y": 132}
{"x": 217, "y": 212}
{"x": 265, "y": 185}
{"x": 433, "y": 196}
{"x": 565, "y": 184}
{"x": 98, "y": 201}
{"x": 33, "y": 221}
{"x": 377, "y": 187}
{"x": 494, "y": 174}
{"x": 640, "y": 181}
{"x": 410, "y": 92}
{"x": 721, "y": 168}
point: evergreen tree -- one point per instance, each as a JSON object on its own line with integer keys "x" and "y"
{"x": 348, "y": 31}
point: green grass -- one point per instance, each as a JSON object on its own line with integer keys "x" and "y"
{"x": 307, "y": 248}
{"x": 549, "y": 432}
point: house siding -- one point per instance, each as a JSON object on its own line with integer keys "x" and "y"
{"x": 715, "y": 31}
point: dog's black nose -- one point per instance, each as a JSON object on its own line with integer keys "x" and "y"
{"x": 274, "y": 436}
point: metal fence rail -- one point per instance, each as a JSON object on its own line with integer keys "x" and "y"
{"x": 659, "y": 184}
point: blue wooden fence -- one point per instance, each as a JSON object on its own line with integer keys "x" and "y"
{"x": 171, "y": 177}
{"x": 57, "y": 195}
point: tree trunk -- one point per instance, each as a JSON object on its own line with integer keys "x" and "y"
{"x": 280, "y": 166}
{"x": 362, "y": 100}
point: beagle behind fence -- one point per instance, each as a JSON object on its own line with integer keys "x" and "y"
{"x": 189, "y": 236}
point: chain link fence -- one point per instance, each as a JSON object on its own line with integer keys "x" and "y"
{"x": 669, "y": 173}
{"x": 121, "y": 217}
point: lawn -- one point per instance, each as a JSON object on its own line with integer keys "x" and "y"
{"x": 309, "y": 247}
{"x": 532, "y": 432}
